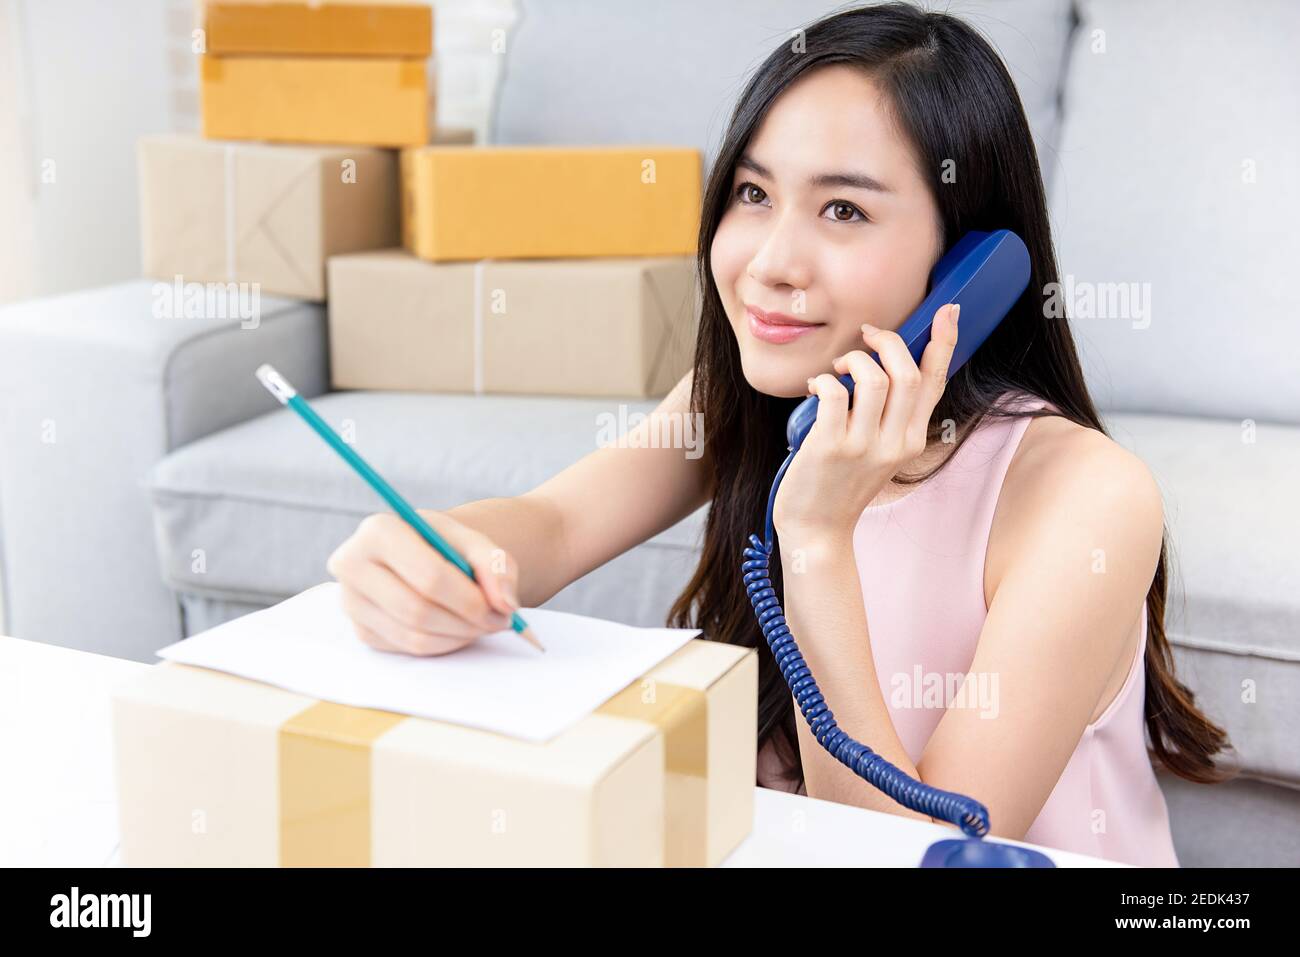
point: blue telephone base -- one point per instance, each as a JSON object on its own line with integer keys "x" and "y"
{"x": 977, "y": 853}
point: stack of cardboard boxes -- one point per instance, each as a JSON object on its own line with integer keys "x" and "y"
{"x": 529, "y": 270}
{"x": 253, "y": 200}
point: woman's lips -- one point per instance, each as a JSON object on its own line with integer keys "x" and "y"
{"x": 777, "y": 334}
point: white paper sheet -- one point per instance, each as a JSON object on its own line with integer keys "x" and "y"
{"x": 499, "y": 683}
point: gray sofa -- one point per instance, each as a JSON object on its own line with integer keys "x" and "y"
{"x": 149, "y": 488}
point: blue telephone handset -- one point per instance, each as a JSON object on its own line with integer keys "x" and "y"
{"x": 985, "y": 273}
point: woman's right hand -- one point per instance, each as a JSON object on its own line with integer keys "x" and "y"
{"x": 403, "y": 596}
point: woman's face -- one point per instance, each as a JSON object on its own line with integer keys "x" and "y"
{"x": 829, "y": 225}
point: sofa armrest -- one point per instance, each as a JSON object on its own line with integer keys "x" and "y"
{"x": 95, "y": 387}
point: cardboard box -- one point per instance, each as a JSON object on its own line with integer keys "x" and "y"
{"x": 216, "y": 770}
{"x": 597, "y": 327}
{"x": 247, "y": 212}
{"x": 520, "y": 202}
{"x": 373, "y": 101}
{"x": 344, "y": 28}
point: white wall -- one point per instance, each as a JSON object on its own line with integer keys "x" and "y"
{"x": 85, "y": 79}
{"x": 17, "y": 185}
{"x": 467, "y": 62}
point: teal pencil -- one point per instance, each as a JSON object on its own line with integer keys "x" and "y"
{"x": 279, "y": 387}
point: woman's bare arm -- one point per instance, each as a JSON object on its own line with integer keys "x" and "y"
{"x": 606, "y": 503}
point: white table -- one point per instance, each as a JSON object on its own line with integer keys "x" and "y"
{"x": 57, "y": 805}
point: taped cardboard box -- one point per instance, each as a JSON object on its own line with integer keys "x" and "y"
{"x": 372, "y": 101}
{"x": 592, "y": 327}
{"x": 521, "y": 202}
{"x": 343, "y": 28}
{"x": 217, "y": 770}
{"x": 248, "y": 212}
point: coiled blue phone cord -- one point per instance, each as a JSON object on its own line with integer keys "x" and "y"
{"x": 964, "y": 812}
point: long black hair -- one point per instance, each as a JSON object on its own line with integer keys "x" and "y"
{"x": 955, "y": 101}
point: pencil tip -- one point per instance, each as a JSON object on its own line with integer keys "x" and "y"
{"x": 532, "y": 639}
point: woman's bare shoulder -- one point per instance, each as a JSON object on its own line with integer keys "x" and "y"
{"x": 1066, "y": 471}
{"x": 1053, "y": 449}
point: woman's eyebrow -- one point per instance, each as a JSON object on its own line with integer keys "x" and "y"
{"x": 853, "y": 180}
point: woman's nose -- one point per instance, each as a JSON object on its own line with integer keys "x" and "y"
{"x": 780, "y": 257}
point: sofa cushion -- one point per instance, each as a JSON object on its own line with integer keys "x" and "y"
{"x": 1177, "y": 183}
{"x": 673, "y": 75}
{"x": 1233, "y": 612}
{"x": 1207, "y": 822}
{"x": 250, "y": 515}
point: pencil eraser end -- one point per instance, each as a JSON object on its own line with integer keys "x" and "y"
{"x": 275, "y": 383}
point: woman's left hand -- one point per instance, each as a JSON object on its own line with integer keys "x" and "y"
{"x": 849, "y": 455}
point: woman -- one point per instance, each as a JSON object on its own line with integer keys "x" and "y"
{"x": 975, "y": 572}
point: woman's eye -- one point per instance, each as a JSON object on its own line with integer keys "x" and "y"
{"x": 844, "y": 212}
{"x": 841, "y": 212}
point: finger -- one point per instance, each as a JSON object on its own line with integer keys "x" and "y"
{"x": 904, "y": 382}
{"x": 368, "y": 622}
{"x": 870, "y": 385}
{"x": 379, "y": 585}
{"x": 396, "y": 635}
{"x": 495, "y": 569}
{"x": 374, "y": 639}
{"x": 423, "y": 569}
{"x": 936, "y": 360}
{"x": 364, "y": 632}
{"x": 832, "y": 407}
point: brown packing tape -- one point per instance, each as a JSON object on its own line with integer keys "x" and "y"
{"x": 324, "y": 772}
{"x": 325, "y": 784}
{"x": 681, "y": 714}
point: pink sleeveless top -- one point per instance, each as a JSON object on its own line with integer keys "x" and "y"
{"x": 920, "y": 559}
